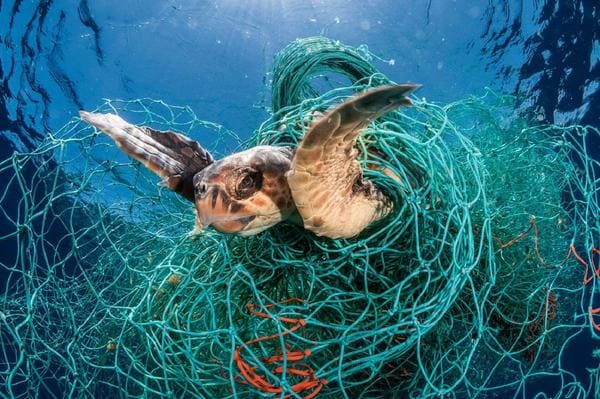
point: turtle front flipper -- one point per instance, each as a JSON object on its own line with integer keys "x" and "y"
{"x": 170, "y": 155}
{"x": 326, "y": 180}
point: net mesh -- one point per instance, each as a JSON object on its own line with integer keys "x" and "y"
{"x": 473, "y": 286}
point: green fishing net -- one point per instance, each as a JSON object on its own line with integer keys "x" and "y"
{"x": 473, "y": 287}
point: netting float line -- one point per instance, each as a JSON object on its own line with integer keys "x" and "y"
{"x": 472, "y": 287}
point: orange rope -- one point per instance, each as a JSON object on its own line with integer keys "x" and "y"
{"x": 533, "y": 226}
{"x": 595, "y": 251}
{"x": 309, "y": 381}
{"x": 551, "y": 302}
{"x": 514, "y": 240}
{"x": 595, "y": 269}
{"x": 593, "y": 312}
{"x": 537, "y": 246}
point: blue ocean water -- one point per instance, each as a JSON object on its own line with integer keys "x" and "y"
{"x": 57, "y": 57}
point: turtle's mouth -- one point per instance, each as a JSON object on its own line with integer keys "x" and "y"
{"x": 218, "y": 210}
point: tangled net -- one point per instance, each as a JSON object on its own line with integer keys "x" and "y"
{"x": 472, "y": 286}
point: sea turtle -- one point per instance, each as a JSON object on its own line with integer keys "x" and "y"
{"x": 319, "y": 183}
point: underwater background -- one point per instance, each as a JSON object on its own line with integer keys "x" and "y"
{"x": 58, "y": 57}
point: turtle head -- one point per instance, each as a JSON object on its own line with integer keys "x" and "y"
{"x": 246, "y": 192}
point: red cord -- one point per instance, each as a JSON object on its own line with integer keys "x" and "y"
{"x": 309, "y": 382}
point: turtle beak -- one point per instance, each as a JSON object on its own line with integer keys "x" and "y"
{"x": 216, "y": 208}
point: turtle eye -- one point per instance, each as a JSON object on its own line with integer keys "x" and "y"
{"x": 248, "y": 184}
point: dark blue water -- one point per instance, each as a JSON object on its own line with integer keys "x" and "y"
{"x": 60, "y": 56}
{"x": 57, "y": 57}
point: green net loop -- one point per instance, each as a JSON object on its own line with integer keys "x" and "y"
{"x": 472, "y": 287}
{"x": 309, "y": 65}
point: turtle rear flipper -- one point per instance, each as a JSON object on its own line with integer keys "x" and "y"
{"x": 326, "y": 180}
{"x": 170, "y": 155}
